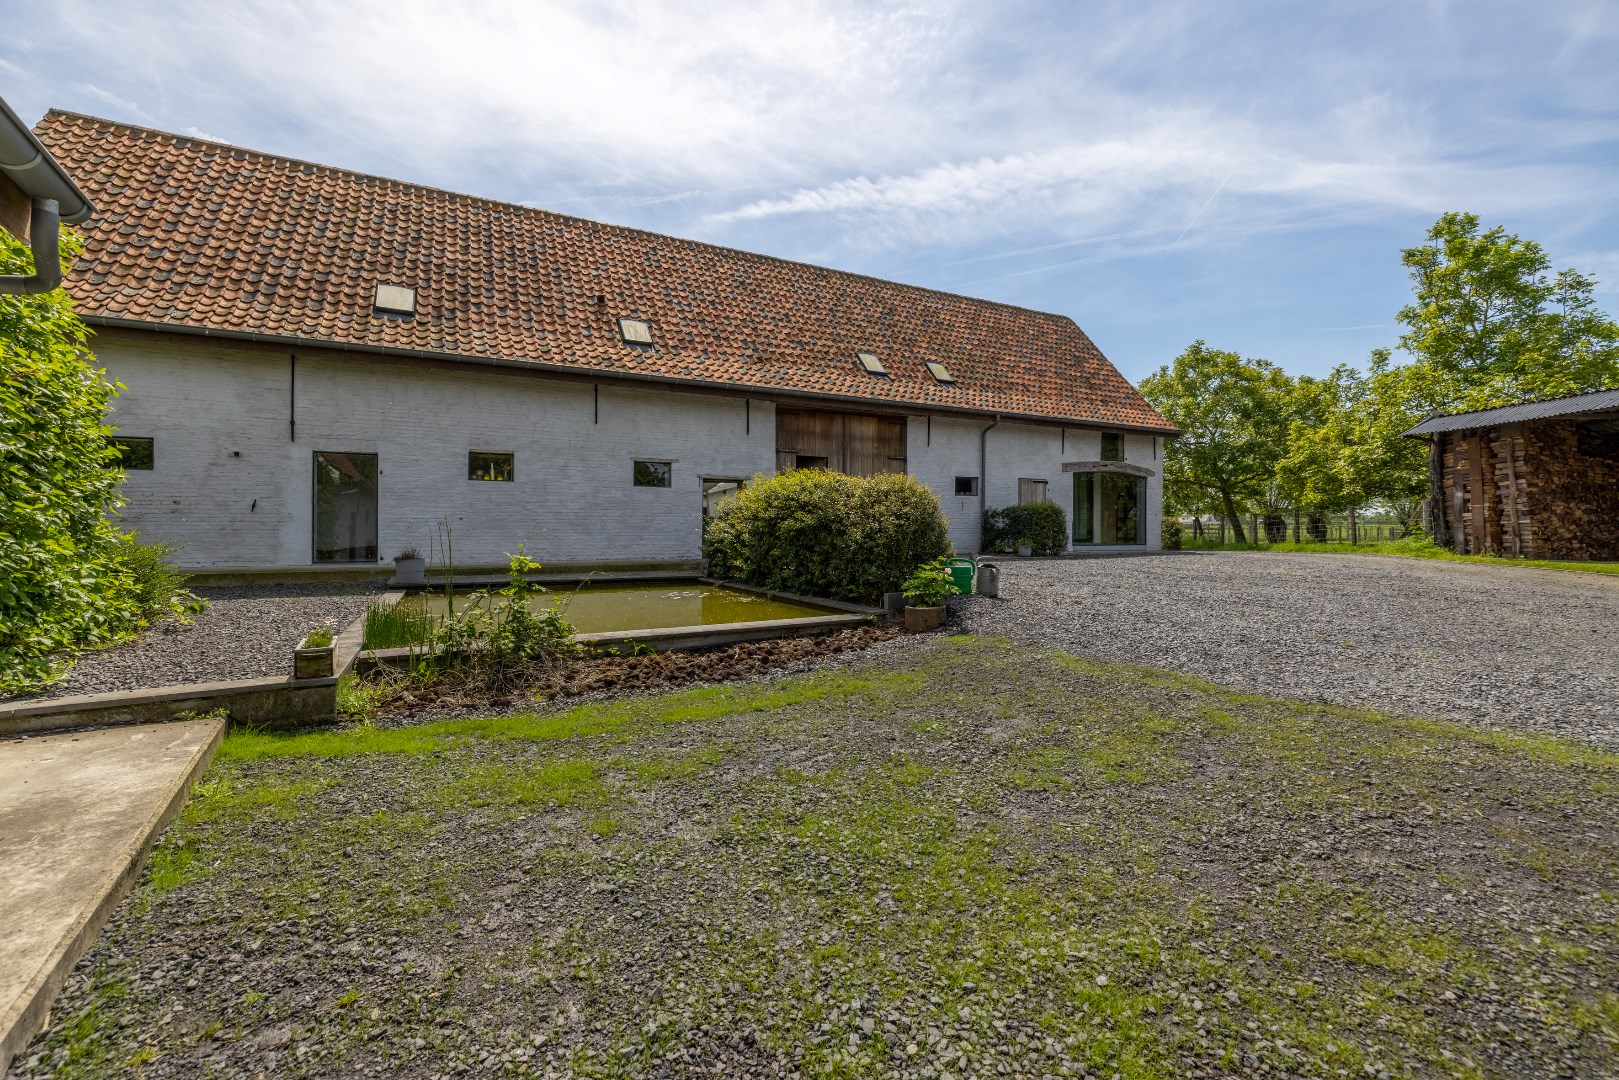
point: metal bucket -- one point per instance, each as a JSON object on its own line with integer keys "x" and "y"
{"x": 989, "y": 579}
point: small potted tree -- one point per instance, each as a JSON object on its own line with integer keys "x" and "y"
{"x": 409, "y": 568}
{"x": 313, "y": 658}
{"x": 925, "y": 591}
{"x": 1025, "y": 547}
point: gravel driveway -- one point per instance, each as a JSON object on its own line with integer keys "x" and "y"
{"x": 248, "y": 631}
{"x": 1463, "y": 641}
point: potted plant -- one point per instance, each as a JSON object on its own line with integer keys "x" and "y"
{"x": 313, "y": 658}
{"x": 409, "y": 568}
{"x": 1025, "y": 547}
{"x": 925, "y": 591}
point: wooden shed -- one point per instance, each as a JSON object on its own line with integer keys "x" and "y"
{"x": 1538, "y": 480}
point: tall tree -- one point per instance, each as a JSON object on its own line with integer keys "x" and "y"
{"x": 1234, "y": 413}
{"x": 1491, "y": 324}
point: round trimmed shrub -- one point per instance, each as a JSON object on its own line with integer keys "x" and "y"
{"x": 823, "y": 533}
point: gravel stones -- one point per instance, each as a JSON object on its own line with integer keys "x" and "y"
{"x": 944, "y": 857}
{"x": 1462, "y": 641}
{"x": 248, "y": 632}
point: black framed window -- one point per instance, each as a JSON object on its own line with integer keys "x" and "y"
{"x": 490, "y": 465}
{"x": 1112, "y": 446}
{"x": 654, "y": 474}
{"x": 133, "y": 453}
{"x": 966, "y": 485}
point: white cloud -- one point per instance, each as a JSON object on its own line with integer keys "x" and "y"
{"x": 622, "y": 92}
{"x": 1169, "y": 169}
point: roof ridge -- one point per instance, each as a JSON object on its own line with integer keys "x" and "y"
{"x": 1517, "y": 404}
{"x": 523, "y": 207}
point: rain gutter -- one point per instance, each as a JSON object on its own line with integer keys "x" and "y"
{"x": 53, "y": 197}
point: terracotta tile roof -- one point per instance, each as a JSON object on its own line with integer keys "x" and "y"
{"x": 196, "y": 234}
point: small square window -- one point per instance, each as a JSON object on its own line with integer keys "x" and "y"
{"x": 966, "y": 485}
{"x": 940, "y": 372}
{"x": 1112, "y": 446}
{"x": 399, "y": 299}
{"x": 490, "y": 465}
{"x": 870, "y": 362}
{"x": 654, "y": 474}
{"x": 133, "y": 453}
{"x": 635, "y": 331}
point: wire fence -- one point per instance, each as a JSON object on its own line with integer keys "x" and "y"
{"x": 1305, "y": 529}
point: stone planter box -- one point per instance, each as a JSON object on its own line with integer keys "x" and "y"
{"x": 410, "y": 572}
{"x": 921, "y": 619}
{"x": 313, "y": 663}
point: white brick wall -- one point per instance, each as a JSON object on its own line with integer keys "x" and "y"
{"x": 204, "y": 402}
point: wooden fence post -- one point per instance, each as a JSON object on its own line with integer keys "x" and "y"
{"x": 1354, "y": 534}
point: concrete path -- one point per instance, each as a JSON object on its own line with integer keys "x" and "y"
{"x": 78, "y": 813}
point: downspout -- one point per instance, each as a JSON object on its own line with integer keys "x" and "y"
{"x": 983, "y": 475}
{"x": 44, "y": 227}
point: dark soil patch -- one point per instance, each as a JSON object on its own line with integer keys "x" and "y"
{"x": 400, "y": 701}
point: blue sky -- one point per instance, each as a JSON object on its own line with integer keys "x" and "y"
{"x": 1161, "y": 172}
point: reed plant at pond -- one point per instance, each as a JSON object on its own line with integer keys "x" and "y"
{"x": 396, "y": 626}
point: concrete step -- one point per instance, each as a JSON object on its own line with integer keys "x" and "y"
{"x": 79, "y": 811}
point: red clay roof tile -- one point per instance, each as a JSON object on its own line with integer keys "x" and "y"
{"x": 238, "y": 241}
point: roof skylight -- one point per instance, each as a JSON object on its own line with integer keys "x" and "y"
{"x": 870, "y": 362}
{"x": 399, "y": 299}
{"x": 940, "y": 372}
{"x": 635, "y": 331}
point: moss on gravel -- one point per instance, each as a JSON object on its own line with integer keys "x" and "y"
{"x": 948, "y": 858}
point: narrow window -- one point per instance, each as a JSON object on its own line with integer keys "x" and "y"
{"x": 1112, "y": 446}
{"x": 133, "y": 453}
{"x": 490, "y": 465}
{"x": 635, "y": 331}
{"x": 1030, "y": 491}
{"x": 654, "y": 473}
{"x": 966, "y": 485}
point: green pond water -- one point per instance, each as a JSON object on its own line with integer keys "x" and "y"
{"x": 595, "y": 609}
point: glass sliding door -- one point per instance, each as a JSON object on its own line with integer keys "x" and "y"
{"x": 1118, "y": 508}
{"x": 345, "y": 507}
{"x": 1108, "y": 508}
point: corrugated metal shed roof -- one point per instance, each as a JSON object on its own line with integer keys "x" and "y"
{"x": 1599, "y": 401}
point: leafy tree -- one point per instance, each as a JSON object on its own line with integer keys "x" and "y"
{"x": 63, "y": 583}
{"x": 1346, "y": 447}
{"x": 1235, "y": 415}
{"x": 1491, "y": 325}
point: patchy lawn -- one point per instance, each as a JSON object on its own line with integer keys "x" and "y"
{"x": 958, "y": 857}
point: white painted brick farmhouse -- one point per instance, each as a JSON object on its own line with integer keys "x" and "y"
{"x": 330, "y": 367}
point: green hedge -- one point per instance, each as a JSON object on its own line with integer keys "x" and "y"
{"x": 1043, "y": 525}
{"x": 63, "y": 580}
{"x": 826, "y": 534}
